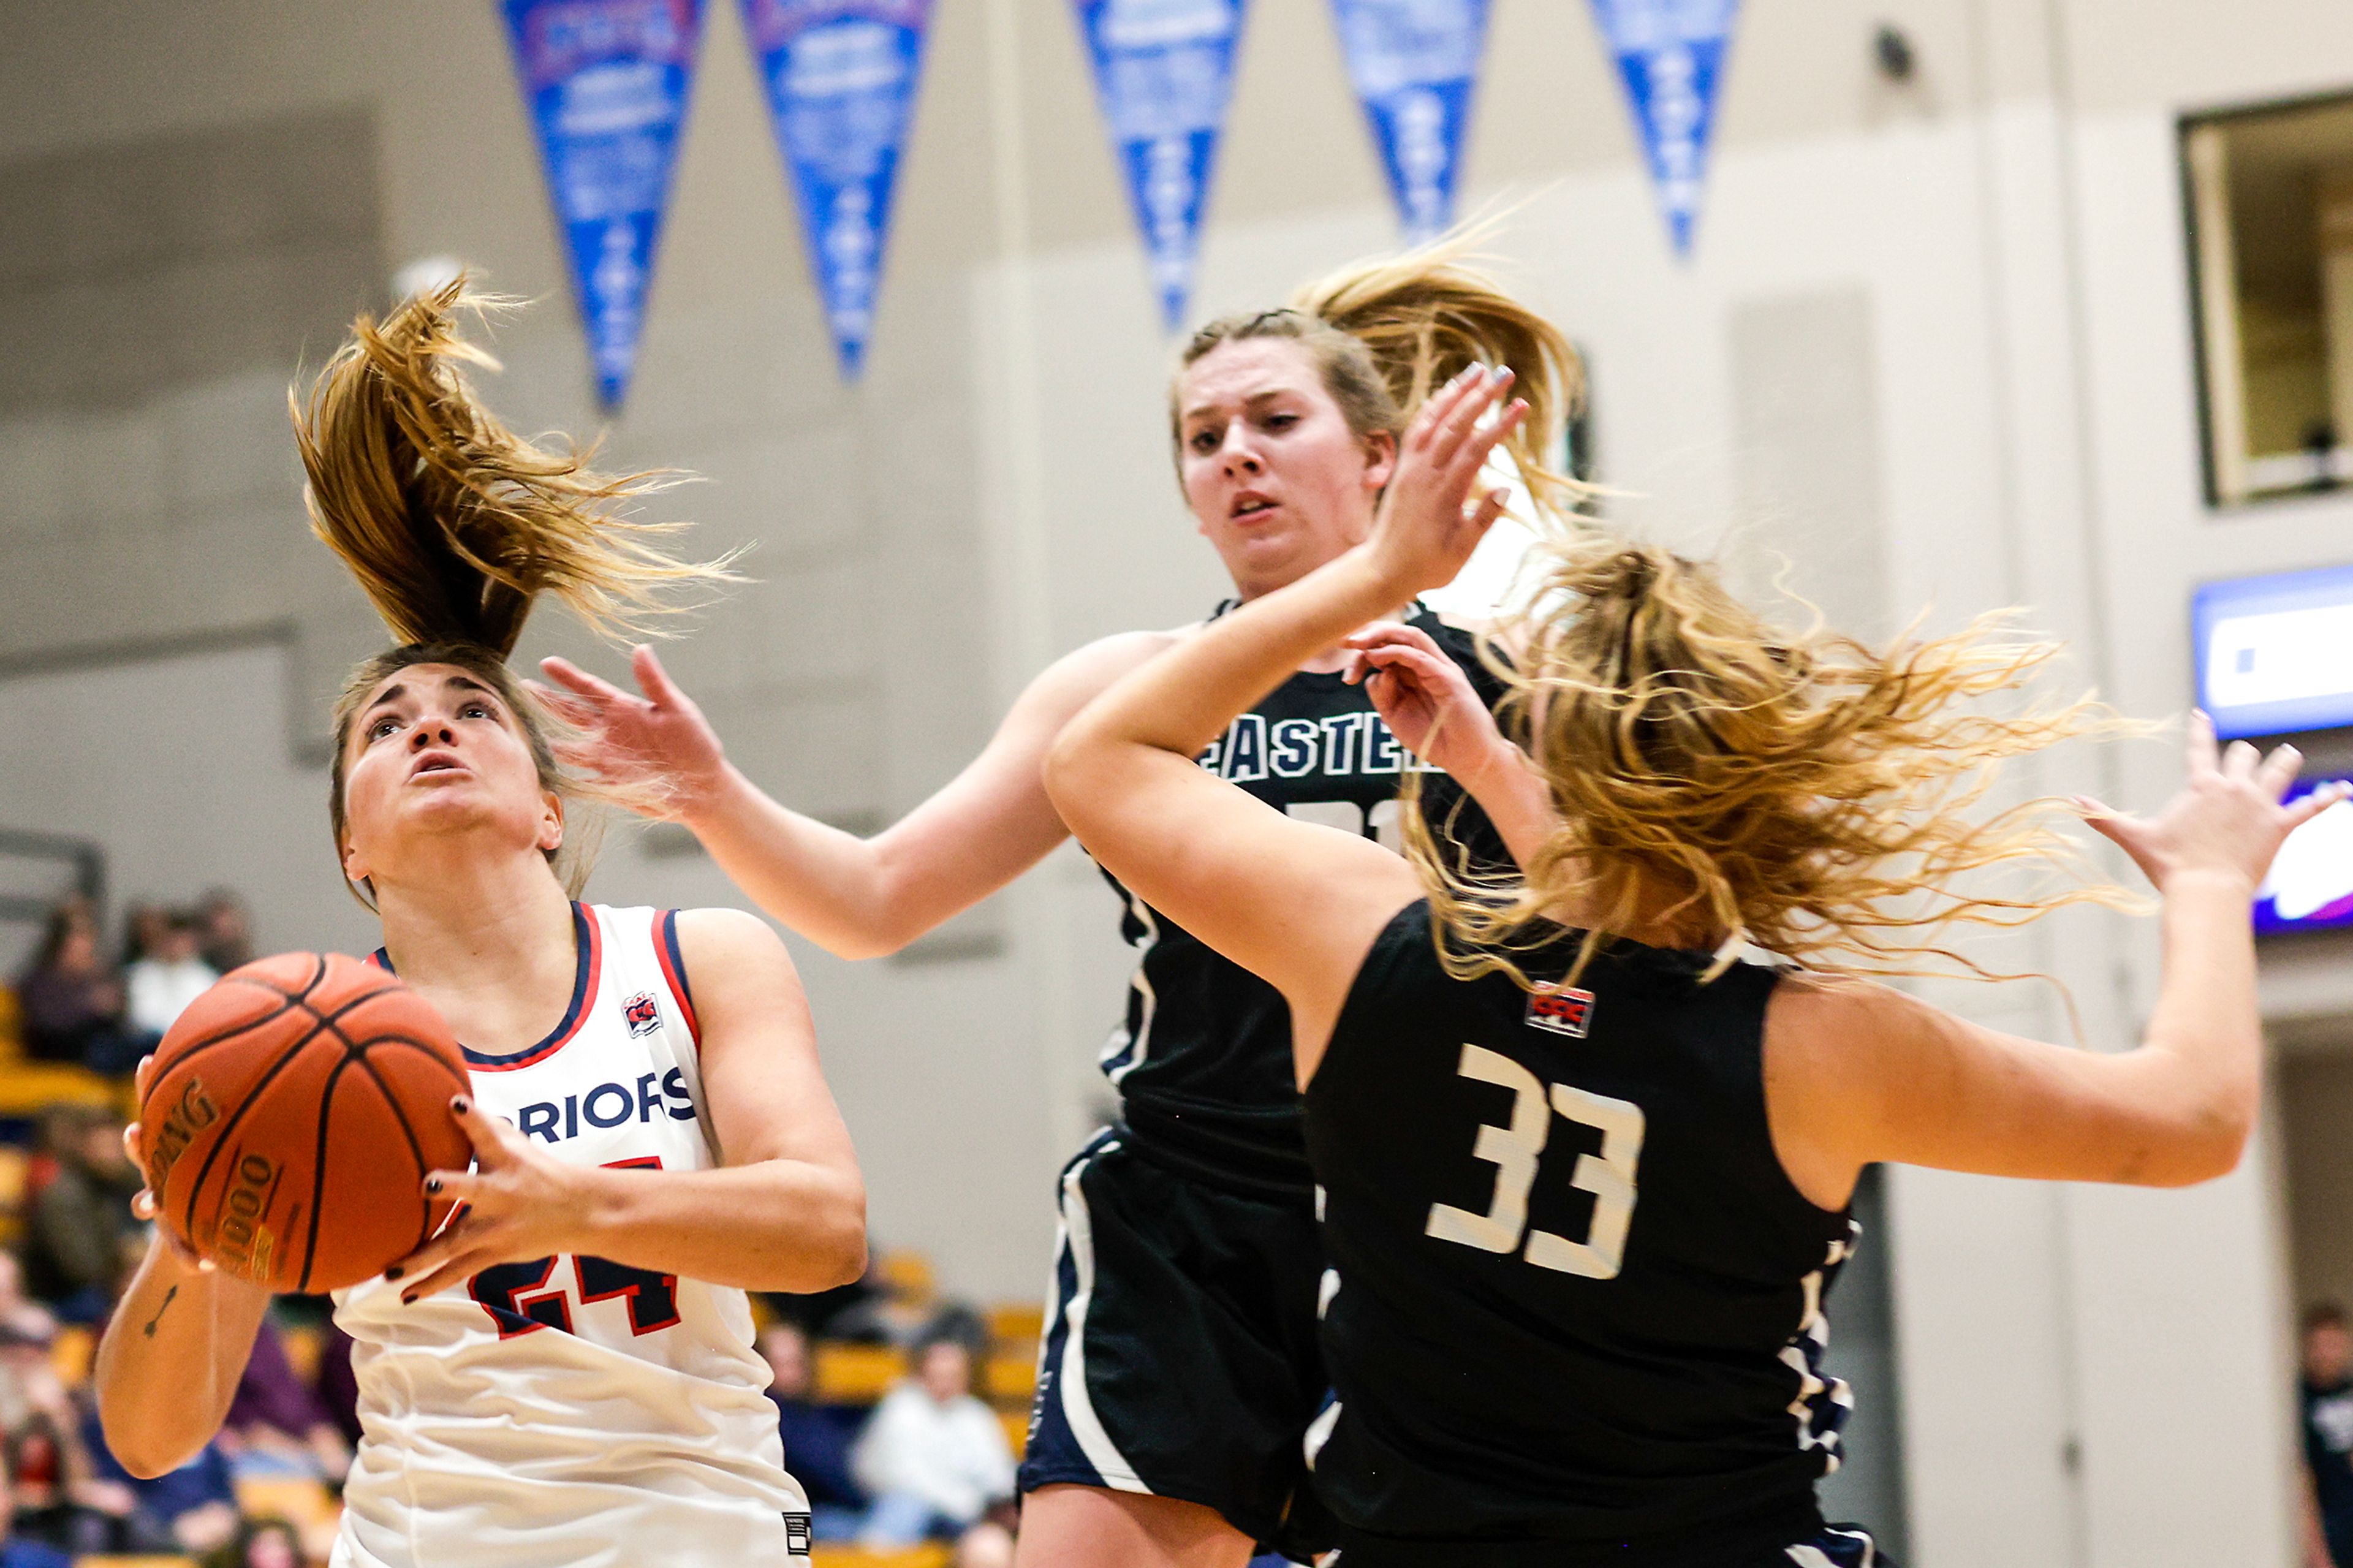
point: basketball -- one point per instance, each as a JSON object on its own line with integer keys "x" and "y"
{"x": 291, "y": 1116}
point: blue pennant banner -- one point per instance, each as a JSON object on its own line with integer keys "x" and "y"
{"x": 607, "y": 82}
{"x": 1164, "y": 71}
{"x": 840, "y": 78}
{"x": 1672, "y": 53}
{"x": 1415, "y": 64}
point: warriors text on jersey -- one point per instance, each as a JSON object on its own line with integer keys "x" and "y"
{"x": 1203, "y": 1058}
{"x": 571, "y": 1411}
{"x": 1574, "y": 1300}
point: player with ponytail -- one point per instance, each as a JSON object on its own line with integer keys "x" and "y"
{"x": 564, "y": 1375}
{"x": 1586, "y": 1167}
{"x": 1179, "y": 1371}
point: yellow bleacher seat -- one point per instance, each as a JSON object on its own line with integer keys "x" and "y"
{"x": 304, "y": 1344}
{"x": 13, "y": 1162}
{"x": 856, "y": 1374}
{"x": 1016, "y": 1430}
{"x": 304, "y": 1502}
{"x": 104, "y": 1560}
{"x": 1015, "y": 1325}
{"x": 11, "y": 1025}
{"x": 929, "y": 1556}
{"x": 26, "y": 1089}
{"x": 1009, "y": 1377}
{"x": 70, "y": 1354}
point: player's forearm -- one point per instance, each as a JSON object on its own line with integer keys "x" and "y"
{"x": 818, "y": 881}
{"x": 1512, "y": 790}
{"x": 1184, "y": 699}
{"x": 2204, "y": 1042}
{"x": 768, "y": 1225}
{"x": 170, "y": 1359}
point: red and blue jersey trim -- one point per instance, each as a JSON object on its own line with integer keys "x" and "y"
{"x": 673, "y": 968}
{"x": 588, "y": 941}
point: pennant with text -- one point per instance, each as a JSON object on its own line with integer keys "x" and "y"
{"x": 1415, "y": 64}
{"x": 840, "y": 77}
{"x": 1671, "y": 55}
{"x": 607, "y": 82}
{"x": 1164, "y": 73}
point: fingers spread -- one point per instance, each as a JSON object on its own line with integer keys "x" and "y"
{"x": 491, "y": 1138}
{"x": 2315, "y": 802}
{"x": 2279, "y": 770}
{"x": 566, "y": 674}
{"x": 653, "y": 678}
{"x": 2199, "y": 737}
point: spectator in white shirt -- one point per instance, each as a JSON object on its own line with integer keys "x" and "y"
{"x": 934, "y": 1459}
{"x": 169, "y": 975}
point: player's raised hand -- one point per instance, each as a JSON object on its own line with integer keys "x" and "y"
{"x": 2226, "y": 818}
{"x": 1430, "y": 522}
{"x": 653, "y": 743}
{"x": 515, "y": 1204}
{"x": 1424, "y": 697}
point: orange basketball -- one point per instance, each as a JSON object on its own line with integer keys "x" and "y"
{"x": 291, "y": 1116}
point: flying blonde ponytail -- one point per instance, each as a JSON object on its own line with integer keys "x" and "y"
{"x": 452, "y": 523}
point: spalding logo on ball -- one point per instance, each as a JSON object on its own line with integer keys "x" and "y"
{"x": 291, "y": 1116}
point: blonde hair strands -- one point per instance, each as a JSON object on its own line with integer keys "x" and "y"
{"x": 454, "y": 525}
{"x": 1802, "y": 791}
{"x": 1384, "y": 335}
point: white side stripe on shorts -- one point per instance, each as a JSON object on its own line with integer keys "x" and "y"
{"x": 1078, "y": 1404}
{"x": 1814, "y": 1557}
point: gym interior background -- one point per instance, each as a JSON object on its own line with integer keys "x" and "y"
{"x": 2054, "y": 309}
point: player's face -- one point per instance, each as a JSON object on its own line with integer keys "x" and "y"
{"x": 1277, "y": 480}
{"x": 435, "y": 752}
{"x": 2327, "y": 1350}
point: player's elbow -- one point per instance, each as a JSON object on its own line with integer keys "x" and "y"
{"x": 829, "y": 1248}
{"x": 146, "y": 1453}
{"x": 1073, "y": 771}
{"x": 2202, "y": 1154}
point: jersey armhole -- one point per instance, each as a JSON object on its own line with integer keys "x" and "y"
{"x": 673, "y": 968}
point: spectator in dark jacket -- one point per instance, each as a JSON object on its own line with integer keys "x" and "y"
{"x": 75, "y": 1232}
{"x": 73, "y": 1002}
{"x": 817, "y": 1441}
{"x": 276, "y": 1423}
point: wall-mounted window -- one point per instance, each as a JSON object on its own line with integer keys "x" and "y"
{"x": 2270, "y": 195}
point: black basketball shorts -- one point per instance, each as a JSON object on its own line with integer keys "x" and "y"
{"x": 1180, "y": 1357}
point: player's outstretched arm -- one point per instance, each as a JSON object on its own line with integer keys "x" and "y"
{"x": 786, "y": 1209}
{"x": 1297, "y": 904}
{"x": 857, "y": 898}
{"x": 170, "y": 1361}
{"x": 1860, "y": 1073}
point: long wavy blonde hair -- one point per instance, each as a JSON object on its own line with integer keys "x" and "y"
{"x": 1385, "y": 333}
{"x": 454, "y": 525}
{"x": 1800, "y": 791}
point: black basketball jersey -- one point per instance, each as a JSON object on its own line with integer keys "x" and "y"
{"x": 1202, "y": 1059}
{"x": 1573, "y": 1300}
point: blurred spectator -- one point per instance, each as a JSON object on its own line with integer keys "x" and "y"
{"x": 227, "y": 931}
{"x": 275, "y": 1424}
{"x": 50, "y": 1479}
{"x": 338, "y": 1390}
{"x": 2329, "y": 1436}
{"x": 936, "y": 1461}
{"x": 143, "y": 930}
{"x": 192, "y": 1509}
{"x": 259, "y": 1543}
{"x": 73, "y": 1003}
{"x": 170, "y": 974}
{"x": 76, "y": 1228}
{"x": 816, "y": 1445}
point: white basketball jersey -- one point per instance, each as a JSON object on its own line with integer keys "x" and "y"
{"x": 570, "y": 1412}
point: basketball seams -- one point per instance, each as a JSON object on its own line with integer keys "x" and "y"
{"x": 400, "y": 1116}
{"x": 253, "y": 1090}
{"x": 319, "y": 1159}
